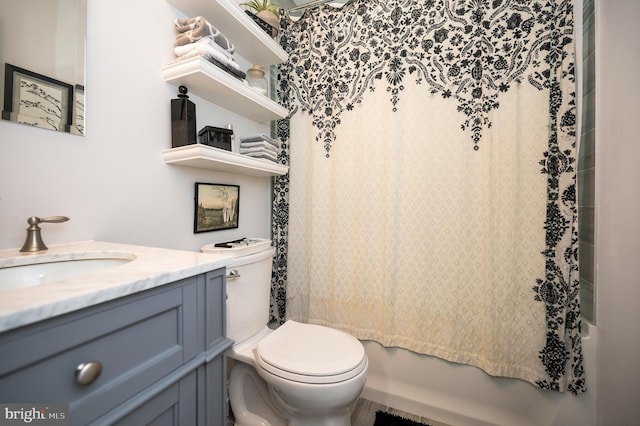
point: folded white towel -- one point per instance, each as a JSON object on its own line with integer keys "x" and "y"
{"x": 205, "y": 46}
{"x": 259, "y": 145}
{"x": 259, "y": 154}
{"x": 263, "y": 157}
{"x": 261, "y": 137}
{"x": 207, "y": 43}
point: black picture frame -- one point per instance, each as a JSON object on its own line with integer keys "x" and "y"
{"x": 78, "y": 110}
{"x": 217, "y": 207}
{"x": 37, "y": 100}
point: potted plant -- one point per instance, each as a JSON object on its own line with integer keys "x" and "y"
{"x": 267, "y": 11}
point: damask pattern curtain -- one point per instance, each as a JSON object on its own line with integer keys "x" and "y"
{"x": 431, "y": 198}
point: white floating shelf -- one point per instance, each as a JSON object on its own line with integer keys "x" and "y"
{"x": 216, "y": 85}
{"x": 209, "y": 158}
{"x": 251, "y": 42}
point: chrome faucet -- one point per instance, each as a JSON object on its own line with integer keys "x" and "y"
{"x": 34, "y": 241}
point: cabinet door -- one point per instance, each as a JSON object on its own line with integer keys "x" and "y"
{"x": 216, "y": 316}
{"x": 213, "y": 374}
{"x": 216, "y": 392}
{"x": 136, "y": 341}
{"x": 175, "y": 406}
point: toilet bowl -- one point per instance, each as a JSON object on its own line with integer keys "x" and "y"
{"x": 297, "y": 374}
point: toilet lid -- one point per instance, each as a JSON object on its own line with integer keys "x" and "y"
{"x": 318, "y": 352}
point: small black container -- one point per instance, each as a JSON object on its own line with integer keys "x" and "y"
{"x": 183, "y": 120}
{"x": 216, "y": 137}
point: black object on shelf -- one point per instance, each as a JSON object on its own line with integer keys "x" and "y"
{"x": 263, "y": 24}
{"x": 230, "y": 70}
{"x": 230, "y": 244}
{"x": 216, "y": 137}
{"x": 183, "y": 120}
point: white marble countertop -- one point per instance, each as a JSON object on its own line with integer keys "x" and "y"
{"x": 150, "y": 267}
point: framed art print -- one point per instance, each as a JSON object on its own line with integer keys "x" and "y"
{"x": 217, "y": 207}
{"x": 78, "y": 119}
{"x": 37, "y": 100}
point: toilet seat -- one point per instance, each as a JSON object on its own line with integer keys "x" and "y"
{"x": 311, "y": 354}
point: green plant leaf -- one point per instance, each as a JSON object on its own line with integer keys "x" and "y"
{"x": 260, "y": 5}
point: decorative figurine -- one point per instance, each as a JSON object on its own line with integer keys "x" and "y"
{"x": 183, "y": 120}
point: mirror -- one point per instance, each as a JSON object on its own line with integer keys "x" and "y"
{"x": 42, "y": 63}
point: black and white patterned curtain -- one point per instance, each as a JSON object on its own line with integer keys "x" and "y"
{"x": 431, "y": 199}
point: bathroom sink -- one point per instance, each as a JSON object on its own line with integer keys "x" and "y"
{"x": 47, "y": 269}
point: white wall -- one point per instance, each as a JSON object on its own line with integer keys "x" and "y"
{"x": 113, "y": 182}
{"x": 618, "y": 211}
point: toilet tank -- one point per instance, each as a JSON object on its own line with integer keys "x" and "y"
{"x": 248, "y": 294}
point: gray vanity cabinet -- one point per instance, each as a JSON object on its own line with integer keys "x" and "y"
{"x": 174, "y": 405}
{"x": 159, "y": 352}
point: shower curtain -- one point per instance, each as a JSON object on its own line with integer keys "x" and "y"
{"x": 431, "y": 197}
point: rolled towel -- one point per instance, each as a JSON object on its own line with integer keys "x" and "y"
{"x": 187, "y": 24}
{"x": 193, "y": 29}
{"x": 190, "y": 30}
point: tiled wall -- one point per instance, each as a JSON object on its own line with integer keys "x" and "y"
{"x": 586, "y": 166}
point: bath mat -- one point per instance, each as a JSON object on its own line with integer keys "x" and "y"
{"x": 386, "y": 419}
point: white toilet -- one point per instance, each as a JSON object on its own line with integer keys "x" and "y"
{"x": 298, "y": 374}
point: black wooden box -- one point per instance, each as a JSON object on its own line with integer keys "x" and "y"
{"x": 216, "y": 137}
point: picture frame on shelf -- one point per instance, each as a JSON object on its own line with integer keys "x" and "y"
{"x": 217, "y": 207}
{"x": 37, "y": 100}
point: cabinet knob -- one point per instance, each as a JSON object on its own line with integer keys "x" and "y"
{"x": 88, "y": 372}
